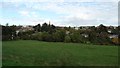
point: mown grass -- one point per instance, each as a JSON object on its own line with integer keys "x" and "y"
{"x": 36, "y": 53}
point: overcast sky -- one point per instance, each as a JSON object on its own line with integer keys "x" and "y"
{"x": 59, "y": 13}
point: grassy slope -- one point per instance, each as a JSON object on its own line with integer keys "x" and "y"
{"x": 35, "y": 53}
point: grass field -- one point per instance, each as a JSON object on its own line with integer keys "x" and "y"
{"x": 36, "y": 53}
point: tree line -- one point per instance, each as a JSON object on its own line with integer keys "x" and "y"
{"x": 52, "y": 33}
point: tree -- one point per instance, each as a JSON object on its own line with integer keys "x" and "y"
{"x": 37, "y": 36}
{"x": 101, "y": 28}
{"x": 48, "y": 28}
{"x": 53, "y": 26}
{"x": 25, "y": 35}
{"x": 8, "y": 32}
{"x": 51, "y": 29}
{"x": 37, "y": 28}
{"x": 93, "y": 28}
{"x": 56, "y": 37}
{"x": 104, "y": 38}
{"x": 59, "y": 35}
{"x": 92, "y": 36}
{"x": 47, "y": 37}
{"x": 7, "y": 24}
{"x": 76, "y": 37}
{"x": 45, "y": 27}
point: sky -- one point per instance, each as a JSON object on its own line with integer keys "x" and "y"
{"x": 59, "y": 12}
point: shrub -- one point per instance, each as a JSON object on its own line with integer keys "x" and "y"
{"x": 25, "y": 37}
{"x": 76, "y": 37}
{"x": 67, "y": 39}
{"x": 6, "y": 37}
{"x": 59, "y": 35}
{"x": 115, "y": 40}
{"x": 46, "y": 37}
{"x": 37, "y": 36}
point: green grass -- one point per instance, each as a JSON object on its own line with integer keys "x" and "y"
{"x": 36, "y": 53}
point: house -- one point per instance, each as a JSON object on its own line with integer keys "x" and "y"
{"x": 84, "y": 27}
{"x": 85, "y": 35}
{"x": 109, "y": 31}
{"x": 113, "y": 36}
{"x": 67, "y": 32}
{"x": 76, "y": 28}
{"x": 24, "y": 29}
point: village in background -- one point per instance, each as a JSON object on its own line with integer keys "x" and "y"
{"x": 49, "y": 32}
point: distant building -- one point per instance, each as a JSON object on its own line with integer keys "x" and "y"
{"x": 60, "y": 27}
{"x": 67, "y": 32}
{"x": 26, "y": 28}
{"x": 109, "y": 31}
{"x": 76, "y": 28}
{"x": 85, "y": 35}
{"x": 113, "y": 36}
{"x": 84, "y": 27}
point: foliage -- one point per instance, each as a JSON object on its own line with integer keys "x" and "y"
{"x": 76, "y": 37}
{"x": 8, "y": 32}
{"x": 46, "y": 37}
{"x": 67, "y": 39}
{"x": 56, "y": 37}
{"x": 45, "y": 27}
{"x": 51, "y": 33}
{"x": 101, "y": 28}
{"x": 37, "y": 36}
{"x": 37, "y": 28}
{"x": 116, "y": 40}
{"x": 25, "y": 35}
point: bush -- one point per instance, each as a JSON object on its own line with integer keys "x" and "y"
{"x": 6, "y": 37}
{"x": 56, "y": 37}
{"x": 102, "y": 41}
{"x": 46, "y": 37}
{"x": 25, "y": 37}
{"x": 59, "y": 35}
{"x": 115, "y": 41}
{"x": 76, "y": 37}
{"x": 67, "y": 39}
{"x": 37, "y": 36}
